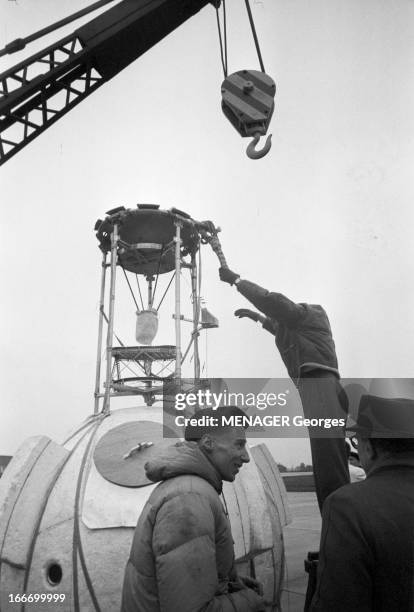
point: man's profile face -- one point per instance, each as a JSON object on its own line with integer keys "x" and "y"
{"x": 365, "y": 453}
{"x": 227, "y": 451}
{"x": 354, "y": 461}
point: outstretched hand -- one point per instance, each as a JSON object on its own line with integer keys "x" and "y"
{"x": 228, "y": 276}
{"x": 245, "y": 312}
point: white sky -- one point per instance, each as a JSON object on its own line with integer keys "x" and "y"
{"x": 326, "y": 217}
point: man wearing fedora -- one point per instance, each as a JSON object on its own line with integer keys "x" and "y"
{"x": 366, "y": 559}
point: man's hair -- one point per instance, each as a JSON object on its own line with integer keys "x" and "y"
{"x": 194, "y": 433}
{"x": 393, "y": 446}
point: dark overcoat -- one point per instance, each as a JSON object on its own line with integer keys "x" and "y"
{"x": 367, "y": 543}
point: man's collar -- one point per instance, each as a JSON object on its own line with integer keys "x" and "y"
{"x": 405, "y": 459}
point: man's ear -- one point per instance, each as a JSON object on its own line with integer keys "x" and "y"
{"x": 371, "y": 450}
{"x": 207, "y": 443}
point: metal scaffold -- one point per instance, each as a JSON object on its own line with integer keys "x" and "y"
{"x": 148, "y": 243}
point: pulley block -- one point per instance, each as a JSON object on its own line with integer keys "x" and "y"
{"x": 248, "y": 103}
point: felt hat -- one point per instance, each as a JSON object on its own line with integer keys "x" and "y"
{"x": 380, "y": 417}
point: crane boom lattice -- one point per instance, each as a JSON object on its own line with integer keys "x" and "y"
{"x": 32, "y": 98}
{"x": 41, "y": 89}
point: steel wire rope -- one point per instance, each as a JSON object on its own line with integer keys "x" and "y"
{"x": 157, "y": 276}
{"x": 223, "y": 37}
{"x": 187, "y": 349}
{"x": 130, "y": 288}
{"x": 90, "y": 420}
{"x": 125, "y": 366}
{"x": 117, "y": 337}
{"x": 139, "y": 291}
{"x": 223, "y": 45}
{"x": 20, "y": 43}
{"x": 43, "y": 508}
{"x": 157, "y": 309}
{"x": 27, "y": 565}
{"x": 165, "y": 367}
{"x": 256, "y": 41}
{"x": 165, "y": 292}
{"x": 77, "y": 542}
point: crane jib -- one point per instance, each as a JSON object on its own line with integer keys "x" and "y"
{"x": 79, "y": 64}
{"x": 124, "y": 32}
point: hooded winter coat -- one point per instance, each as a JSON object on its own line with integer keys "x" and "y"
{"x": 182, "y": 554}
{"x": 302, "y": 331}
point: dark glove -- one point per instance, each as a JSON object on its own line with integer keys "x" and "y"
{"x": 207, "y": 226}
{"x": 245, "y": 312}
{"x": 227, "y": 276}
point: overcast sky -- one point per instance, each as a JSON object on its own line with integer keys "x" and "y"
{"x": 326, "y": 217}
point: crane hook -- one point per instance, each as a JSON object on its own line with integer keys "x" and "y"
{"x": 251, "y": 151}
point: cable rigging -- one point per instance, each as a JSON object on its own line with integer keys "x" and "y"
{"x": 247, "y": 95}
{"x": 20, "y": 43}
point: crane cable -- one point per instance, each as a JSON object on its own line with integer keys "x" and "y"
{"x": 256, "y": 41}
{"x": 223, "y": 45}
{"x": 20, "y": 43}
{"x": 223, "y": 37}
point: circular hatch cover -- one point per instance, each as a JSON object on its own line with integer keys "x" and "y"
{"x": 122, "y": 452}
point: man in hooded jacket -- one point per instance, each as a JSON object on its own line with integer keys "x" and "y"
{"x": 182, "y": 555}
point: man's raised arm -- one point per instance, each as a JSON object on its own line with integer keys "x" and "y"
{"x": 273, "y": 305}
{"x": 268, "y": 324}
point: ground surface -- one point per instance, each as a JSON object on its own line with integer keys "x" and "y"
{"x": 301, "y": 536}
